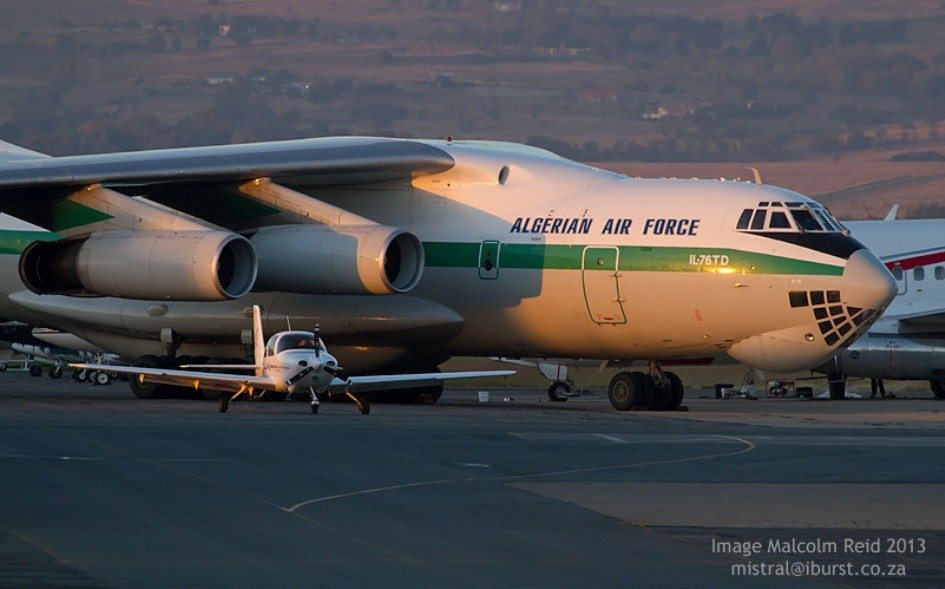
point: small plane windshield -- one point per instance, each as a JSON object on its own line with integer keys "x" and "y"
{"x": 296, "y": 340}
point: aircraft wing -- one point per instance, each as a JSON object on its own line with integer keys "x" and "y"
{"x": 199, "y": 180}
{"x": 932, "y": 317}
{"x": 186, "y": 378}
{"x": 358, "y": 384}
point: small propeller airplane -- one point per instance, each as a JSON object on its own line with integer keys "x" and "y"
{"x": 291, "y": 362}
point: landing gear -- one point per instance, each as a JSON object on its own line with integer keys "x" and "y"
{"x": 559, "y": 391}
{"x": 837, "y": 385}
{"x": 628, "y": 390}
{"x": 101, "y": 378}
{"x": 56, "y": 372}
{"x": 36, "y": 370}
{"x": 315, "y": 403}
{"x": 80, "y": 375}
{"x": 657, "y": 391}
{"x": 149, "y": 390}
{"x": 938, "y": 388}
{"x": 223, "y": 403}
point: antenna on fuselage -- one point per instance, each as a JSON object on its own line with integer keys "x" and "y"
{"x": 757, "y": 174}
{"x": 288, "y": 324}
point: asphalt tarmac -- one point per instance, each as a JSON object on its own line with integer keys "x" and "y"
{"x": 98, "y": 488}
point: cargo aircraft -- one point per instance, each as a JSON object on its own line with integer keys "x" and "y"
{"x": 291, "y": 362}
{"x": 409, "y": 252}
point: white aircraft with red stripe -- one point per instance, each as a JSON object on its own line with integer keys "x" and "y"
{"x": 908, "y": 341}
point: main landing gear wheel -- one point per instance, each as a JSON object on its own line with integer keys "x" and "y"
{"x": 149, "y": 390}
{"x": 223, "y": 403}
{"x": 102, "y": 378}
{"x": 56, "y": 372}
{"x": 559, "y": 391}
{"x": 36, "y": 370}
{"x": 938, "y": 389}
{"x": 629, "y": 389}
{"x": 80, "y": 375}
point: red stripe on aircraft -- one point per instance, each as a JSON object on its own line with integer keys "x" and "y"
{"x": 914, "y": 262}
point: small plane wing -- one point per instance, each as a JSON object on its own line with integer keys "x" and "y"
{"x": 185, "y": 378}
{"x": 358, "y": 384}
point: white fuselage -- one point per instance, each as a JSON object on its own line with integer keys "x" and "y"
{"x": 530, "y": 254}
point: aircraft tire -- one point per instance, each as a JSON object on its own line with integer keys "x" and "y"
{"x": 837, "y": 386}
{"x": 559, "y": 391}
{"x": 101, "y": 378}
{"x": 213, "y": 395}
{"x": 625, "y": 390}
{"x": 647, "y": 389}
{"x": 149, "y": 390}
{"x": 3, "y": 366}
{"x": 938, "y": 388}
{"x": 55, "y": 373}
{"x": 676, "y": 391}
{"x": 36, "y": 370}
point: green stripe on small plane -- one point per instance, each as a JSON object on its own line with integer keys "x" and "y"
{"x": 631, "y": 259}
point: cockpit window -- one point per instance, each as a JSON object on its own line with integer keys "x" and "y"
{"x": 745, "y": 219}
{"x": 805, "y": 220}
{"x": 758, "y": 222}
{"x": 779, "y": 220}
{"x": 788, "y": 217}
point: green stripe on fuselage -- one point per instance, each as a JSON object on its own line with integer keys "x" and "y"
{"x": 14, "y": 242}
{"x": 632, "y": 259}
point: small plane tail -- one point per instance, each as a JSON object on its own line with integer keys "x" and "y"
{"x": 259, "y": 344}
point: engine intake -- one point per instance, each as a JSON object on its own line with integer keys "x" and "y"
{"x": 341, "y": 259}
{"x": 181, "y": 266}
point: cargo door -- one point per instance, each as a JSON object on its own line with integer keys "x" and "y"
{"x": 599, "y": 272}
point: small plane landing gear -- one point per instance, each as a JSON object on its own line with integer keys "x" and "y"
{"x": 315, "y": 403}
{"x": 223, "y": 403}
{"x": 101, "y": 378}
{"x": 55, "y": 372}
{"x": 559, "y": 391}
{"x": 36, "y": 370}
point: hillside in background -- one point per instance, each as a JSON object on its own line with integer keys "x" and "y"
{"x": 843, "y": 100}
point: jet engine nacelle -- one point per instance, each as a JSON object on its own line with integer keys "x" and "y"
{"x": 339, "y": 259}
{"x": 163, "y": 265}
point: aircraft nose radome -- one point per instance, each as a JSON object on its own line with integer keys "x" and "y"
{"x": 866, "y": 282}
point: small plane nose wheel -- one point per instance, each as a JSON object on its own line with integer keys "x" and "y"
{"x": 224, "y": 403}
{"x": 315, "y": 402}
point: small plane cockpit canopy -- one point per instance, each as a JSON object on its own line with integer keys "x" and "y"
{"x": 293, "y": 340}
{"x": 788, "y": 217}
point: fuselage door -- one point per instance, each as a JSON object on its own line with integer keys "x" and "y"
{"x": 902, "y": 279}
{"x": 599, "y": 272}
{"x": 489, "y": 259}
